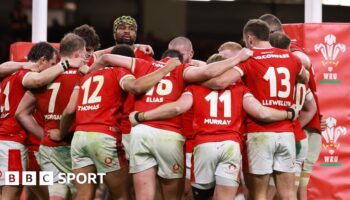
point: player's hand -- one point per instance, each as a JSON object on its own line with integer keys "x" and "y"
{"x": 84, "y": 69}
{"x": 173, "y": 63}
{"x": 31, "y": 66}
{"x": 54, "y": 134}
{"x": 292, "y": 113}
{"x": 147, "y": 49}
{"x": 323, "y": 123}
{"x": 244, "y": 54}
{"x": 96, "y": 65}
{"x": 132, "y": 118}
{"x": 76, "y": 62}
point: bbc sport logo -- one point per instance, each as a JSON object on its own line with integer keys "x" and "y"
{"x": 47, "y": 178}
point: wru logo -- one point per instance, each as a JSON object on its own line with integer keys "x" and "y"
{"x": 330, "y": 51}
{"x": 331, "y": 136}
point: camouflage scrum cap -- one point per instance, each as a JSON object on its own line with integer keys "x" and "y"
{"x": 124, "y": 20}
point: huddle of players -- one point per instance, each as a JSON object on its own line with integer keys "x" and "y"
{"x": 218, "y": 108}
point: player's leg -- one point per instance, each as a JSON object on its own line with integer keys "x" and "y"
{"x": 172, "y": 189}
{"x": 227, "y": 170}
{"x": 301, "y": 148}
{"x": 145, "y": 184}
{"x": 85, "y": 190}
{"x": 204, "y": 162}
{"x": 188, "y": 187}
{"x": 83, "y": 163}
{"x": 14, "y": 157}
{"x": 37, "y": 191}
{"x": 142, "y": 162}
{"x": 11, "y": 192}
{"x": 126, "y": 147}
{"x": 314, "y": 142}
{"x": 260, "y": 151}
{"x": 223, "y": 192}
{"x": 169, "y": 154}
{"x": 272, "y": 191}
{"x": 57, "y": 160}
{"x": 109, "y": 158}
{"x": 50, "y": 159}
{"x": 284, "y": 166}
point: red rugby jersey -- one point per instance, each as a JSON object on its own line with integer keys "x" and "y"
{"x": 167, "y": 90}
{"x": 11, "y": 94}
{"x": 315, "y": 122}
{"x": 52, "y": 100}
{"x": 142, "y": 55}
{"x": 270, "y": 74}
{"x": 218, "y": 115}
{"x": 300, "y": 95}
{"x": 100, "y": 101}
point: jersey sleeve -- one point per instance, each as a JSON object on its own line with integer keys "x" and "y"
{"x": 22, "y": 74}
{"x": 188, "y": 90}
{"x": 241, "y": 68}
{"x": 91, "y": 60}
{"x": 140, "y": 67}
{"x": 309, "y": 96}
{"x": 300, "y": 67}
{"x": 122, "y": 74}
{"x": 142, "y": 55}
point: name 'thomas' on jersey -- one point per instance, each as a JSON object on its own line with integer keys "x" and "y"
{"x": 271, "y": 74}
{"x": 100, "y": 101}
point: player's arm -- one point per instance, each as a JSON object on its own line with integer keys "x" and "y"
{"x": 303, "y": 76}
{"x": 262, "y": 113}
{"x": 24, "y": 115}
{"x": 68, "y": 114}
{"x": 197, "y": 63}
{"x": 308, "y": 111}
{"x": 144, "y": 83}
{"x": 99, "y": 53}
{"x": 39, "y": 79}
{"x": 114, "y": 60}
{"x": 304, "y": 59}
{"x": 199, "y": 74}
{"x": 164, "y": 111}
{"x": 222, "y": 81}
{"x": 145, "y": 48}
{"x": 10, "y": 67}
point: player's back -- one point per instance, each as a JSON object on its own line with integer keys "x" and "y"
{"x": 167, "y": 90}
{"x": 53, "y": 99}
{"x": 100, "y": 100}
{"x": 271, "y": 77}
{"x": 12, "y": 91}
{"x": 218, "y": 115}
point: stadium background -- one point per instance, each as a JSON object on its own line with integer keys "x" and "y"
{"x": 208, "y": 24}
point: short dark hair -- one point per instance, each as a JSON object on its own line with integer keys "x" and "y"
{"x": 257, "y": 28}
{"x": 124, "y": 50}
{"x": 279, "y": 40}
{"x": 89, "y": 34}
{"x": 41, "y": 49}
{"x": 274, "y": 23}
{"x": 172, "y": 53}
{"x": 71, "y": 43}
